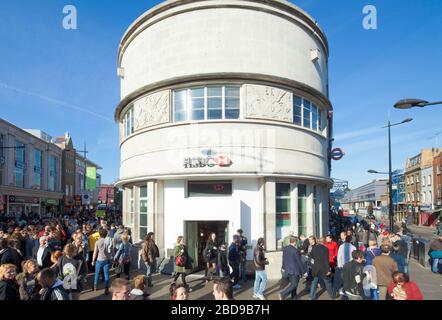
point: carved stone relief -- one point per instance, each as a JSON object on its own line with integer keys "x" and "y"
{"x": 152, "y": 110}
{"x": 263, "y": 102}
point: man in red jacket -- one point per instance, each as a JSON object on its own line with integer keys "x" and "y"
{"x": 332, "y": 251}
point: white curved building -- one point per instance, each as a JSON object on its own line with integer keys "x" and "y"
{"x": 224, "y": 122}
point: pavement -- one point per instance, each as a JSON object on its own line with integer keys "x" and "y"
{"x": 429, "y": 283}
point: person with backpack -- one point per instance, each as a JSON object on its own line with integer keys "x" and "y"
{"x": 122, "y": 258}
{"x": 72, "y": 271}
{"x": 102, "y": 257}
{"x": 182, "y": 261}
{"x": 353, "y": 276}
{"x": 52, "y": 286}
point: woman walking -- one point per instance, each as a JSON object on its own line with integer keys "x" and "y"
{"x": 27, "y": 281}
{"x": 182, "y": 261}
{"x": 210, "y": 253}
{"x": 102, "y": 259}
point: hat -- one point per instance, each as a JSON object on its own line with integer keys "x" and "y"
{"x": 235, "y": 237}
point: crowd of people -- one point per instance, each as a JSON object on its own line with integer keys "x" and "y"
{"x": 359, "y": 259}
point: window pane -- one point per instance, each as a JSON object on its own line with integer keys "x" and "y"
{"x": 214, "y": 108}
{"x": 143, "y": 192}
{"x": 197, "y": 108}
{"x": 307, "y": 112}
{"x": 232, "y": 92}
{"x": 283, "y": 189}
{"x": 297, "y": 101}
{"x": 143, "y": 206}
{"x": 302, "y": 190}
{"x": 179, "y": 111}
{"x": 197, "y": 93}
{"x": 232, "y": 108}
{"x": 143, "y": 220}
{"x": 283, "y": 205}
{"x": 314, "y": 118}
{"x": 214, "y": 91}
{"x": 143, "y": 233}
{"x": 297, "y": 114}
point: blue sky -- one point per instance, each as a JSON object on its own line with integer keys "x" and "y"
{"x": 58, "y": 80}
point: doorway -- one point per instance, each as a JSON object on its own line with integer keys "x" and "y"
{"x": 197, "y": 233}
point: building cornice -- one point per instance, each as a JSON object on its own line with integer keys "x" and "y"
{"x": 252, "y": 78}
{"x": 285, "y": 6}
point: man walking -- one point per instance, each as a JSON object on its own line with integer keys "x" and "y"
{"x": 353, "y": 275}
{"x": 234, "y": 261}
{"x": 292, "y": 268}
{"x": 242, "y": 246}
{"x": 260, "y": 262}
{"x": 319, "y": 259}
{"x": 344, "y": 255}
{"x": 150, "y": 253}
{"x": 385, "y": 267}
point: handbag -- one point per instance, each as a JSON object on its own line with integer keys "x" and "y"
{"x": 180, "y": 261}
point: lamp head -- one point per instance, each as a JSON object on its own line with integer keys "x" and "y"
{"x": 410, "y": 103}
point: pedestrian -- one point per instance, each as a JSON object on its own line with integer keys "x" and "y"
{"x": 120, "y": 289}
{"x": 286, "y": 240}
{"x": 122, "y": 258}
{"x": 372, "y": 252}
{"x": 182, "y": 261}
{"x": 102, "y": 258}
{"x": 72, "y": 271}
{"x": 399, "y": 258}
{"x": 9, "y": 255}
{"x": 223, "y": 261}
{"x": 181, "y": 293}
{"x": 150, "y": 253}
{"x": 139, "y": 290}
{"x": 234, "y": 261}
{"x": 29, "y": 288}
{"x": 333, "y": 248}
{"x": 9, "y": 289}
{"x": 353, "y": 276}
{"x": 344, "y": 255}
{"x": 292, "y": 268}
{"x": 223, "y": 289}
{"x": 321, "y": 272}
{"x": 342, "y": 237}
{"x": 436, "y": 254}
{"x": 401, "y": 288}
{"x": 55, "y": 258}
{"x": 42, "y": 253}
{"x": 260, "y": 262}
{"x": 210, "y": 253}
{"x": 242, "y": 248}
{"x": 52, "y": 287}
{"x": 385, "y": 267}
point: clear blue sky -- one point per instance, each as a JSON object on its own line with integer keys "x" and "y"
{"x": 58, "y": 80}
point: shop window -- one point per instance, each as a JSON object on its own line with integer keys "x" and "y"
{"x": 302, "y": 209}
{"x": 283, "y": 204}
{"x": 209, "y": 188}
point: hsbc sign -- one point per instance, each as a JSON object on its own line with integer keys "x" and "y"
{"x": 209, "y": 161}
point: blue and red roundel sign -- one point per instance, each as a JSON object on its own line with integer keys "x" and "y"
{"x": 337, "y": 154}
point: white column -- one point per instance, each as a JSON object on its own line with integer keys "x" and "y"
{"x": 310, "y": 214}
{"x": 325, "y": 210}
{"x": 270, "y": 214}
{"x": 294, "y": 213}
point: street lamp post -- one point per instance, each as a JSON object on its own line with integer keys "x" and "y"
{"x": 390, "y": 173}
{"x": 412, "y": 103}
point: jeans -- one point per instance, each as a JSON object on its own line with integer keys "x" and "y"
{"x": 150, "y": 269}
{"x": 98, "y": 266}
{"x": 435, "y": 265}
{"x": 260, "y": 282}
{"x": 337, "y": 280}
{"x": 328, "y": 286}
{"x": 292, "y": 288}
{"x": 235, "y": 272}
{"x": 243, "y": 271}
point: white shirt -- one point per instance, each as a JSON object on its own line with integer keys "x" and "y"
{"x": 40, "y": 256}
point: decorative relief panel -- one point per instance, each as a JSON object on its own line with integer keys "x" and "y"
{"x": 263, "y": 102}
{"x": 152, "y": 110}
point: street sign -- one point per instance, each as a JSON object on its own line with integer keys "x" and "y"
{"x": 337, "y": 154}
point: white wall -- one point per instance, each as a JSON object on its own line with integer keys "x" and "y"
{"x": 245, "y": 201}
{"x": 219, "y": 40}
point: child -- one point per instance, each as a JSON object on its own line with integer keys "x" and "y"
{"x": 139, "y": 290}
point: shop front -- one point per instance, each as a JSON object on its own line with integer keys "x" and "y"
{"x": 23, "y": 206}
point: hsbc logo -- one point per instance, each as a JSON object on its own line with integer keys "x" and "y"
{"x": 209, "y": 161}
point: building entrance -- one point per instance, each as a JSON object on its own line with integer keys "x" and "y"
{"x": 197, "y": 233}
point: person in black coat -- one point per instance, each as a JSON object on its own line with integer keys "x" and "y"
{"x": 10, "y": 255}
{"x": 210, "y": 254}
{"x": 292, "y": 268}
{"x": 319, "y": 258}
{"x": 42, "y": 254}
{"x": 8, "y": 284}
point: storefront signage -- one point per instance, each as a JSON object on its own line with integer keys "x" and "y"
{"x": 210, "y": 162}
{"x": 100, "y": 213}
{"x": 53, "y": 202}
{"x": 14, "y": 199}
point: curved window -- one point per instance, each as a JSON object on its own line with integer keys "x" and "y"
{"x": 306, "y": 114}
{"x": 206, "y": 103}
{"x": 128, "y": 122}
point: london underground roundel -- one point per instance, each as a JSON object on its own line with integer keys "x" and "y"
{"x": 337, "y": 154}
